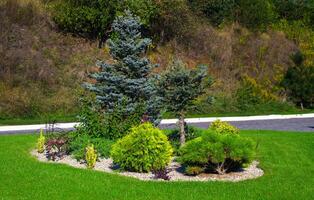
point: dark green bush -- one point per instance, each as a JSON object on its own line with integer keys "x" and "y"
{"x": 96, "y": 124}
{"x": 217, "y": 152}
{"x": 92, "y": 18}
{"x": 144, "y": 149}
{"x": 87, "y": 18}
{"x": 174, "y": 20}
{"x": 90, "y": 118}
{"x": 77, "y": 146}
{"x": 216, "y": 11}
{"x": 117, "y": 124}
{"x": 299, "y": 82}
{"x": 250, "y": 13}
{"x": 255, "y": 13}
{"x": 294, "y": 10}
{"x": 147, "y": 10}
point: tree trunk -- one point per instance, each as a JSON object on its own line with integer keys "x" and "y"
{"x": 182, "y": 130}
{"x": 301, "y": 104}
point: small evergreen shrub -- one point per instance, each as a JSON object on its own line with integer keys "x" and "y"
{"x": 223, "y": 127}
{"x": 91, "y": 156}
{"x": 193, "y": 170}
{"x": 217, "y": 152}
{"x": 77, "y": 146}
{"x": 41, "y": 142}
{"x": 144, "y": 149}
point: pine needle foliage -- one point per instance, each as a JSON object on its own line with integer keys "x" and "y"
{"x": 127, "y": 82}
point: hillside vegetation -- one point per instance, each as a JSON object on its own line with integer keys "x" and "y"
{"x": 48, "y": 46}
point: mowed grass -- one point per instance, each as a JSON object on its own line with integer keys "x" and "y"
{"x": 286, "y": 157}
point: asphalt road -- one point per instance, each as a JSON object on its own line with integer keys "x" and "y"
{"x": 302, "y": 125}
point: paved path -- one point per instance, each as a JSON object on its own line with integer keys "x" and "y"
{"x": 304, "y": 125}
{"x": 302, "y": 122}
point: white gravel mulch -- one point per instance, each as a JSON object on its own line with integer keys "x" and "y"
{"x": 106, "y": 165}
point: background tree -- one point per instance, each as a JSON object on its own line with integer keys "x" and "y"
{"x": 299, "y": 82}
{"x": 86, "y": 18}
{"x": 179, "y": 86}
{"x": 127, "y": 83}
{"x": 253, "y": 14}
{"x": 92, "y": 18}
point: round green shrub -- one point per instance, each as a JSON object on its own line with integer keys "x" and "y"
{"x": 218, "y": 152}
{"x": 223, "y": 127}
{"x": 144, "y": 149}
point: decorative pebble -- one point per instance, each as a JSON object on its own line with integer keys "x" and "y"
{"x": 106, "y": 165}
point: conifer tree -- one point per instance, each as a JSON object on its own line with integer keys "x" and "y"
{"x": 179, "y": 87}
{"x": 126, "y": 83}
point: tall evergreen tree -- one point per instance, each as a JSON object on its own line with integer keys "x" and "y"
{"x": 127, "y": 82}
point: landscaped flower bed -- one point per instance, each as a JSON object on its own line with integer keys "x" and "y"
{"x": 175, "y": 171}
{"x": 146, "y": 153}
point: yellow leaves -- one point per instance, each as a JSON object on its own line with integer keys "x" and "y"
{"x": 41, "y": 142}
{"x": 90, "y": 157}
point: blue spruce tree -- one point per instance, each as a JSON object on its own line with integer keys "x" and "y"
{"x": 126, "y": 84}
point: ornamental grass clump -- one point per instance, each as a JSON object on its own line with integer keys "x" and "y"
{"x": 216, "y": 152}
{"x": 41, "y": 142}
{"x": 144, "y": 149}
{"x": 90, "y": 157}
{"x": 223, "y": 127}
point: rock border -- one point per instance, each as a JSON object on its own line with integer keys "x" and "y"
{"x": 106, "y": 165}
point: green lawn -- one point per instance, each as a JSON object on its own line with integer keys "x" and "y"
{"x": 286, "y": 157}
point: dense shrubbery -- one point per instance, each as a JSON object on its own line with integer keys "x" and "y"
{"x": 90, "y": 118}
{"x": 251, "y": 94}
{"x": 78, "y": 143}
{"x": 217, "y": 11}
{"x": 295, "y": 10}
{"x": 250, "y": 13}
{"x": 217, "y": 152}
{"x": 108, "y": 125}
{"x": 86, "y": 18}
{"x": 144, "y": 149}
